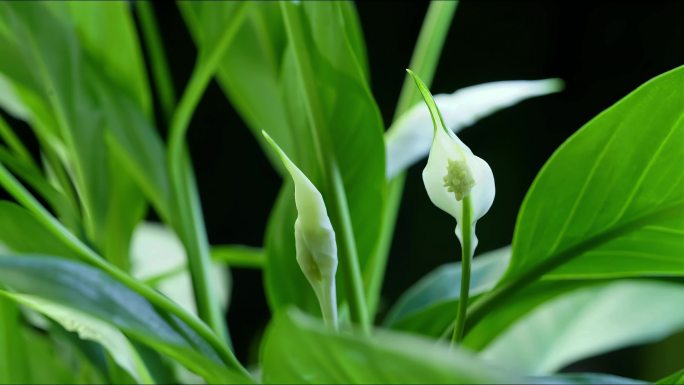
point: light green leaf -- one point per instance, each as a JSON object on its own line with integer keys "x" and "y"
{"x": 298, "y": 349}
{"x": 610, "y": 201}
{"x": 107, "y": 32}
{"x": 91, "y": 328}
{"x": 409, "y": 138}
{"x": 432, "y": 301}
{"x": 88, "y": 290}
{"x": 588, "y": 322}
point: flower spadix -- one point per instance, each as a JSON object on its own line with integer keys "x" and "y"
{"x": 315, "y": 244}
{"x": 456, "y": 180}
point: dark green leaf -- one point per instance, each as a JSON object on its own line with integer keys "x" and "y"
{"x": 440, "y": 289}
{"x": 298, "y": 349}
{"x": 93, "y": 292}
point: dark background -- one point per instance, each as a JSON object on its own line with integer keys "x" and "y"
{"x": 602, "y": 51}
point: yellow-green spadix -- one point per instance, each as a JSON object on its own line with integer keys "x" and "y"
{"x": 454, "y": 175}
{"x": 315, "y": 244}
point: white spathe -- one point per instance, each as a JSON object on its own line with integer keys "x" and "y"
{"x": 315, "y": 243}
{"x": 408, "y": 140}
{"x": 454, "y": 174}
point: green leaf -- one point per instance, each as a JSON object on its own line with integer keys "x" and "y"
{"x": 588, "y": 322}
{"x": 623, "y": 203}
{"x": 91, "y": 328}
{"x": 13, "y": 355}
{"x": 107, "y": 32}
{"x": 20, "y": 231}
{"x": 341, "y": 113}
{"x": 510, "y": 310}
{"x": 609, "y": 202}
{"x": 673, "y": 379}
{"x": 252, "y": 79}
{"x": 432, "y": 301}
{"x": 298, "y": 349}
{"x": 90, "y": 291}
{"x": 58, "y": 90}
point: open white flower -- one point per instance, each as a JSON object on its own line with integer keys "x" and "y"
{"x": 314, "y": 238}
{"x": 456, "y": 180}
{"x": 408, "y": 139}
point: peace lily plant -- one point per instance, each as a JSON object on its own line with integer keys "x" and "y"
{"x": 93, "y": 291}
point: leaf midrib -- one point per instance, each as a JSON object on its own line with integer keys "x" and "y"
{"x": 512, "y": 285}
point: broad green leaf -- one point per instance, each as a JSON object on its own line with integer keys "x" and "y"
{"x": 509, "y": 311}
{"x": 55, "y": 362}
{"x": 252, "y": 79}
{"x": 676, "y": 378}
{"x": 21, "y": 232}
{"x": 13, "y": 353}
{"x": 91, "y": 328}
{"x": 88, "y": 290}
{"x": 58, "y": 90}
{"x": 432, "y": 301}
{"x": 347, "y": 122}
{"x": 298, "y": 349}
{"x": 158, "y": 257}
{"x": 263, "y": 85}
{"x": 610, "y": 201}
{"x": 588, "y": 322}
{"x": 107, "y": 32}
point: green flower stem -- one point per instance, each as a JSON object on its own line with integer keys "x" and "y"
{"x": 466, "y": 257}
{"x": 336, "y": 196}
{"x": 188, "y": 220}
{"x": 158, "y": 61}
{"x": 13, "y": 187}
{"x": 424, "y": 63}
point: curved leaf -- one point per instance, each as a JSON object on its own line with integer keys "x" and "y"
{"x": 610, "y": 201}
{"x": 440, "y": 289}
{"x": 90, "y": 291}
{"x": 91, "y": 328}
{"x": 588, "y": 322}
{"x": 298, "y": 349}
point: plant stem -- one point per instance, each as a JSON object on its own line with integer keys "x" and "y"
{"x": 424, "y": 63}
{"x": 188, "y": 220}
{"x": 158, "y": 61}
{"x": 13, "y": 187}
{"x": 426, "y": 54}
{"x": 336, "y": 195}
{"x": 466, "y": 257}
